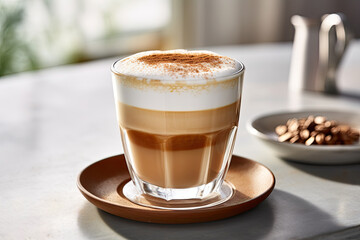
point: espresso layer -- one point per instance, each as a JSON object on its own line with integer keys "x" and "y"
{"x": 178, "y": 149}
{"x": 178, "y": 161}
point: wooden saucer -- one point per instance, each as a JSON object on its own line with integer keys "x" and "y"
{"x": 101, "y": 183}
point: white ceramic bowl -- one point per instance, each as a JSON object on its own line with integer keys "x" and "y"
{"x": 263, "y": 128}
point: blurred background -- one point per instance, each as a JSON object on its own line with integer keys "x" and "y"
{"x": 37, "y": 34}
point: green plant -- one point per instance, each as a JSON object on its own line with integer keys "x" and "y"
{"x": 15, "y": 54}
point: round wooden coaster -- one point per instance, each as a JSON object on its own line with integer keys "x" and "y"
{"x": 101, "y": 183}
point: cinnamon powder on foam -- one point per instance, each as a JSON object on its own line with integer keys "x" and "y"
{"x": 184, "y": 64}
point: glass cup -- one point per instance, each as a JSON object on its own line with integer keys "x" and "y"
{"x": 178, "y": 138}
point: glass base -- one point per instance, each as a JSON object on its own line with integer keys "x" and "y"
{"x": 224, "y": 193}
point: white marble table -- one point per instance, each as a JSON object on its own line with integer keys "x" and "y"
{"x": 55, "y": 122}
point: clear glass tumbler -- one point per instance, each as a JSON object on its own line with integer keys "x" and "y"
{"x": 178, "y": 137}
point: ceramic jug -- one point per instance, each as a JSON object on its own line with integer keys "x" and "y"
{"x": 317, "y": 52}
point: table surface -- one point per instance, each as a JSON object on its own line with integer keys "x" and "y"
{"x": 55, "y": 122}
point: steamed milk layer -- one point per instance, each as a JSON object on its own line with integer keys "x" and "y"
{"x": 177, "y": 126}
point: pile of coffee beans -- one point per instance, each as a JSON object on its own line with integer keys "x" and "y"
{"x": 316, "y": 130}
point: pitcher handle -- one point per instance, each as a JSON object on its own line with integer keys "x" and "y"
{"x": 332, "y": 46}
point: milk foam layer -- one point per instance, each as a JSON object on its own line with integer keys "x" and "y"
{"x": 168, "y": 70}
{"x": 155, "y": 89}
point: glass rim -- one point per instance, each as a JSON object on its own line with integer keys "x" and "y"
{"x": 222, "y": 78}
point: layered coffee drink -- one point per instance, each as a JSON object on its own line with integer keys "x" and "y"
{"x": 178, "y": 113}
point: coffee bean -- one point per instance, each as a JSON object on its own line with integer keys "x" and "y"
{"x": 294, "y": 139}
{"x": 293, "y": 126}
{"x": 328, "y": 124}
{"x": 310, "y": 141}
{"x": 309, "y": 122}
{"x": 319, "y": 120}
{"x": 335, "y": 130}
{"x": 320, "y": 138}
{"x": 281, "y": 130}
{"x": 285, "y": 137}
{"x": 301, "y": 121}
{"x": 304, "y": 134}
{"x": 329, "y": 140}
{"x": 322, "y": 128}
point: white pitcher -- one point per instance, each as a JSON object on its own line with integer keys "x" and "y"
{"x": 317, "y": 51}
